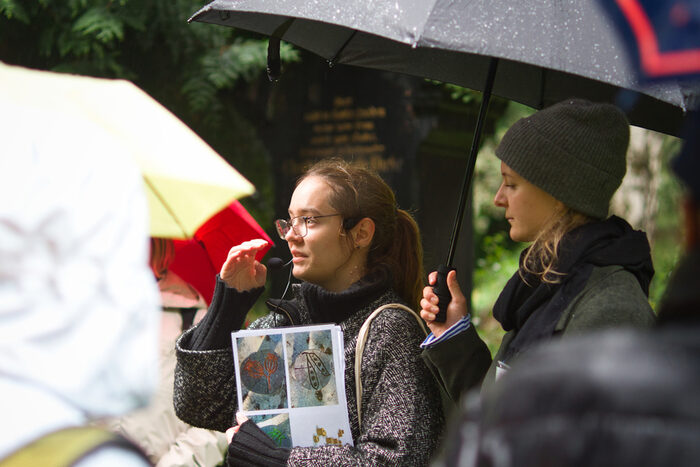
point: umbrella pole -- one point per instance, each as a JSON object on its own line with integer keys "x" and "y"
{"x": 440, "y": 288}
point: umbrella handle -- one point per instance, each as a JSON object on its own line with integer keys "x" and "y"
{"x": 443, "y": 292}
{"x": 274, "y": 63}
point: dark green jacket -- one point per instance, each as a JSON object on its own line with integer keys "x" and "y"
{"x": 611, "y": 298}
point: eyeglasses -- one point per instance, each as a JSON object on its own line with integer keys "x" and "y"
{"x": 299, "y": 224}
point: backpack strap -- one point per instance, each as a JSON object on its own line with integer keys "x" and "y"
{"x": 360, "y": 347}
{"x": 63, "y": 448}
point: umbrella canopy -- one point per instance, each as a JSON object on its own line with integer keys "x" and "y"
{"x": 186, "y": 180}
{"x": 199, "y": 260}
{"x": 548, "y": 50}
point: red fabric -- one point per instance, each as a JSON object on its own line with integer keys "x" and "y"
{"x": 199, "y": 260}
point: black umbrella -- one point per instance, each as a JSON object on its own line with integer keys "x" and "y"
{"x": 545, "y": 51}
{"x": 548, "y": 49}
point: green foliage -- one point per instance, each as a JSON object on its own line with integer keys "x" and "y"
{"x": 101, "y": 24}
{"x": 668, "y": 239}
{"x": 191, "y": 68}
{"x": 222, "y": 68}
{"x": 496, "y": 263}
{"x": 81, "y": 36}
{"x": 141, "y": 40}
{"x": 12, "y": 9}
{"x": 459, "y": 93}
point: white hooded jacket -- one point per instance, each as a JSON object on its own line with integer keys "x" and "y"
{"x": 79, "y": 309}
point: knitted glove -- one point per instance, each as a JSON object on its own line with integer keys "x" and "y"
{"x": 252, "y": 447}
{"x": 227, "y": 313}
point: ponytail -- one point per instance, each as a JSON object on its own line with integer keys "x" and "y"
{"x": 404, "y": 257}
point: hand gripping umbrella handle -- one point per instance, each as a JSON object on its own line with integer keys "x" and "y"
{"x": 443, "y": 292}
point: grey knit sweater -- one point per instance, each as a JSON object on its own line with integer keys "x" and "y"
{"x": 402, "y": 417}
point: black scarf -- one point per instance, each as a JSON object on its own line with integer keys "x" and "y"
{"x": 325, "y": 306}
{"x": 534, "y": 310}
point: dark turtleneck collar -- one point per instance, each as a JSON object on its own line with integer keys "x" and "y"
{"x": 325, "y": 306}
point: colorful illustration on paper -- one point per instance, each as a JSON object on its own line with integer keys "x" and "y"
{"x": 312, "y": 376}
{"x": 262, "y": 372}
{"x": 321, "y": 426}
{"x": 260, "y": 368}
{"x": 277, "y": 427}
{"x": 322, "y": 438}
{"x": 311, "y": 370}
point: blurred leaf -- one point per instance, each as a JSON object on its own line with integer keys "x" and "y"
{"x": 11, "y": 9}
{"x": 100, "y": 24}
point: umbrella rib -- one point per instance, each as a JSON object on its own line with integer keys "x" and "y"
{"x": 543, "y": 79}
{"x": 332, "y": 61}
{"x": 165, "y": 205}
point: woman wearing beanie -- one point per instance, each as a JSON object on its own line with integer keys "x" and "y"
{"x": 583, "y": 270}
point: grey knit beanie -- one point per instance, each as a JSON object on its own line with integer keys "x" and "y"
{"x": 574, "y": 150}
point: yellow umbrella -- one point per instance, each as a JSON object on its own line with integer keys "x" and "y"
{"x": 186, "y": 180}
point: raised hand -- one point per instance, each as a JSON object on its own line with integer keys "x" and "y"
{"x": 241, "y": 270}
{"x": 456, "y": 309}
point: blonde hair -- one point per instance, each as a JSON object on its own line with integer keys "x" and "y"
{"x": 356, "y": 193}
{"x": 541, "y": 257}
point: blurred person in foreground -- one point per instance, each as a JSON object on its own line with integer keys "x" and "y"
{"x": 167, "y": 440}
{"x": 78, "y": 303}
{"x": 620, "y": 398}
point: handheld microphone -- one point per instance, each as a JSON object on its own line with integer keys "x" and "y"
{"x": 276, "y": 264}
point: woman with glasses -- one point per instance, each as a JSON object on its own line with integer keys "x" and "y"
{"x": 353, "y": 251}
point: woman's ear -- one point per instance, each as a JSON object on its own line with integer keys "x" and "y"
{"x": 363, "y": 232}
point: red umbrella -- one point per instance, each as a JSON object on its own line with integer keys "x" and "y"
{"x": 199, "y": 260}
